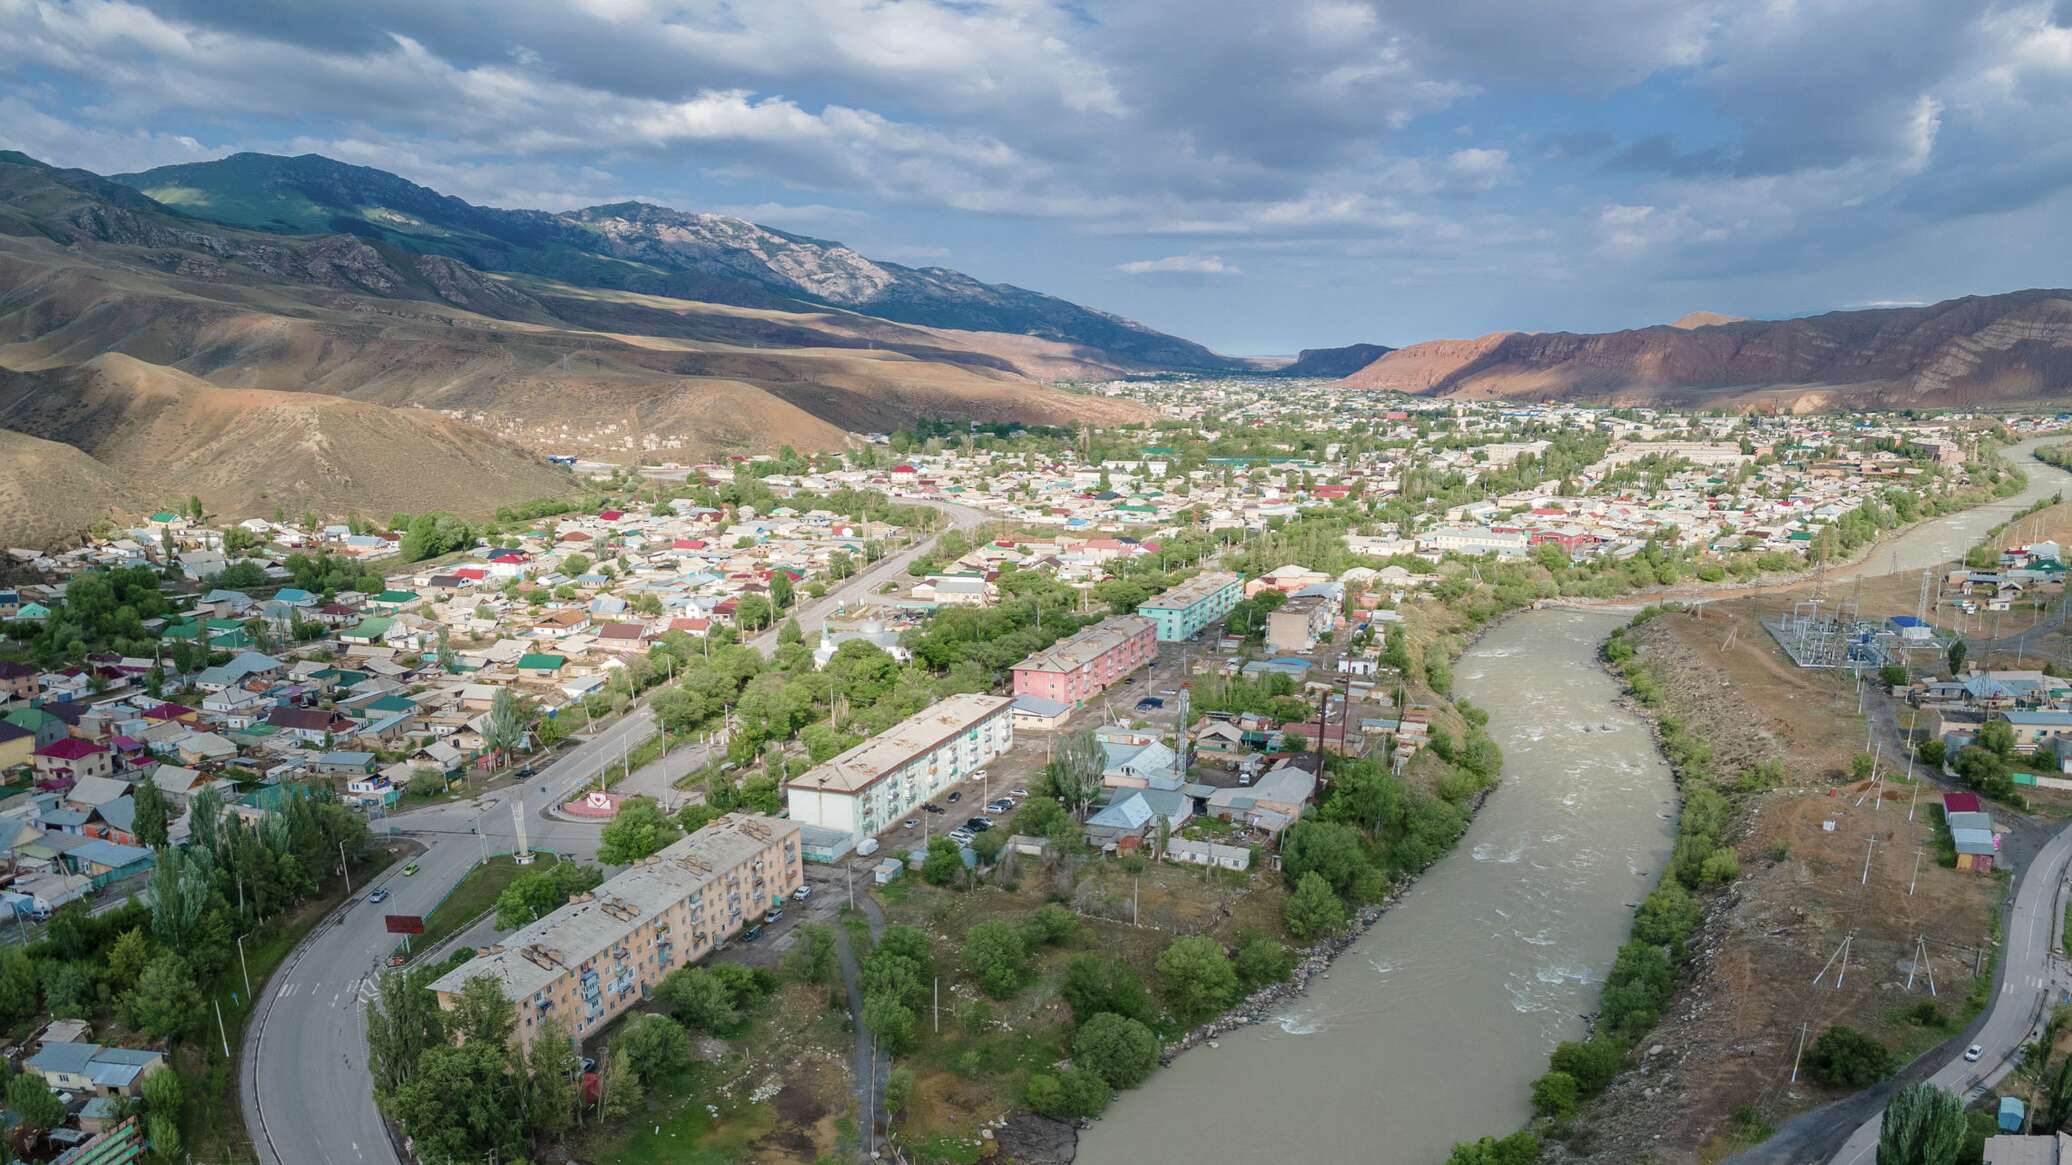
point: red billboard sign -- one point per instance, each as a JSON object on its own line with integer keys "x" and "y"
{"x": 405, "y": 924}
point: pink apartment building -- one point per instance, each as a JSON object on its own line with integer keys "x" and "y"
{"x": 1082, "y": 666}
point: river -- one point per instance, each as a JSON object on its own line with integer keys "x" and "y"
{"x": 1432, "y": 1026}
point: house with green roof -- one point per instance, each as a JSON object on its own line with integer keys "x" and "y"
{"x": 393, "y": 600}
{"x": 367, "y": 631}
{"x": 541, "y": 664}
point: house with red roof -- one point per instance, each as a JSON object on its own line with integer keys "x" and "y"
{"x": 62, "y": 762}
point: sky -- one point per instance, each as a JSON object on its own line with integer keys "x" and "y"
{"x": 1260, "y": 177}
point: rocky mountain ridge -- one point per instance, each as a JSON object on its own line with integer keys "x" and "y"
{"x": 2006, "y": 349}
{"x": 641, "y": 247}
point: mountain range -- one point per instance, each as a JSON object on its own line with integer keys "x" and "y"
{"x": 342, "y": 370}
{"x": 637, "y": 246}
{"x": 1978, "y": 351}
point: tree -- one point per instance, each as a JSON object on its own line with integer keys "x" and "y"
{"x": 1844, "y": 1057}
{"x": 403, "y": 1019}
{"x": 655, "y": 1045}
{"x": 1261, "y": 961}
{"x": 538, "y": 891}
{"x": 1957, "y": 652}
{"x": 461, "y": 1103}
{"x": 995, "y": 955}
{"x": 1591, "y": 1063}
{"x": 18, "y": 984}
{"x": 32, "y": 1100}
{"x": 1313, "y": 911}
{"x": 639, "y": 830}
{"x": 699, "y": 999}
{"x": 1075, "y": 772}
{"x": 790, "y": 633}
{"x": 1196, "y": 978}
{"x": 899, "y": 1088}
{"x": 1075, "y": 1092}
{"x": 752, "y": 612}
{"x": 1094, "y": 983}
{"x": 482, "y": 1014}
{"x": 943, "y": 863}
{"x": 780, "y": 590}
{"x": 1922, "y": 1125}
{"x": 165, "y": 1003}
{"x": 1119, "y": 1050}
{"x": 812, "y": 958}
{"x": 128, "y": 958}
{"x": 152, "y": 814}
{"x": 503, "y": 730}
{"x": 885, "y": 1017}
{"x": 1328, "y": 848}
{"x": 987, "y": 846}
{"x": 1554, "y": 1095}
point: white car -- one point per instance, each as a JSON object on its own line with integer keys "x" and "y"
{"x": 1972, "y": 1053}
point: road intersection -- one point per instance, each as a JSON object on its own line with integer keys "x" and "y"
{"x": 304, "y": 1085}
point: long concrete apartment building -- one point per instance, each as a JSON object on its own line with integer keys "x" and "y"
{"x": 590, "y": 960}
{"x": 868, "y": 788}
{"x": 1186, "y": 609}
{"x": 1084, "y": 664}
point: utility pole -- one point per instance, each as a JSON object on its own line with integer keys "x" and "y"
{"x": 1917, "y": 874}
{"x": 1796, "y": 1056}
{"x": 1868, "y": 851}
{"x": 343, "y": 872}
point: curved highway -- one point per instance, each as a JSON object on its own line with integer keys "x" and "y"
{"x": 304, "y": 1084}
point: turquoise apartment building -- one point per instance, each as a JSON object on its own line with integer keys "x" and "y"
{"x": 1193, "y": 605}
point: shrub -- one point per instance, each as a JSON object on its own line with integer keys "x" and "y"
{"x": 1591, "y": 1064}
{"x": 1554, "y": 1095}
{"x": 1072, "y": 1093}
{"x": 1845, "y": 1057}
{"x": 1120, "y": 1051}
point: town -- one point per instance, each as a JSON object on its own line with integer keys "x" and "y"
{"x": 758, "y": 715}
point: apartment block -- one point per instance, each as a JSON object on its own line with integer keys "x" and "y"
{"x": 1186, "y": 609}
{"x": 1083, "y": 665}
{"x": 590, "y": 960}
{"x": 1297, "y": 624}
{"x": 870, "y": 787}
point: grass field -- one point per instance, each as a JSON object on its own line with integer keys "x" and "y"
{"x": 474, "y": 894}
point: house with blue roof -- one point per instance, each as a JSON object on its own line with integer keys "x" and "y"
{"x": 93, "y": 1069}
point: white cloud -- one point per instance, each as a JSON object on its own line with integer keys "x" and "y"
{"x": 1179, "y": 265}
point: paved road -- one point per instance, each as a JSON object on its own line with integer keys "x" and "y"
{"x": 305, "y": 1088}
{"x": 2031, "y": 974}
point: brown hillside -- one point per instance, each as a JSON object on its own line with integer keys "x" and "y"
{"x": 246, "y": 451}
{"x": 1980, "y": 350}
{"x": 49, "y": 492}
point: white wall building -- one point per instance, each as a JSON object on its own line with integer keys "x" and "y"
{"x": 872, "y": 786}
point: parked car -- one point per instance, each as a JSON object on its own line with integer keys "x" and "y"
{"x": 380, "y": 894}
{"x": 1000, "y": 806}
{"x": 1972, "y": 1053}
{"x": 752, "y": 933}
{"x": 802, "y": 893}
{"x": 981, "y": 824}
{"x": 954, "y": 797}
{"x": 977, "y": 775}
{"x": 909, "y": 823}
{"x": 589, "y": 1065}
{"x": 932, "y": 807}
{"x": 962, "y": 836}
{"x": 1018, "y": 793}
{"x": 410, "y": 869}
{"x": 1168, "y": 691}
{"x": 772, "y": 914}
{"x": 1148, "y": 703}
{"x": 397, "y": 959}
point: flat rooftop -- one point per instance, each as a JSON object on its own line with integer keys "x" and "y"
{"x": 537, "y": 954}
{"x": 1088, "y": 644}
{"x": 915, "y": 736}
{"x": 1192, "y": 591}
